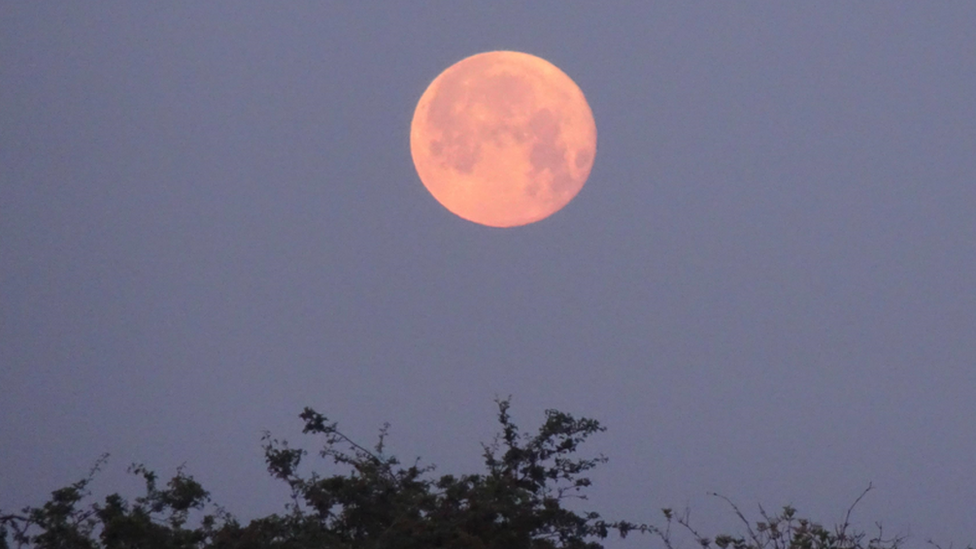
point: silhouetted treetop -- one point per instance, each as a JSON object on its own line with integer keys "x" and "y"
{"x": 375, "y": 502}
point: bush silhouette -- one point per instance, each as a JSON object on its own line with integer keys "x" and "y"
{"x": 518, "y": 502}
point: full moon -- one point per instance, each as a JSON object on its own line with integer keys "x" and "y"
{"x": 503, "y": 138}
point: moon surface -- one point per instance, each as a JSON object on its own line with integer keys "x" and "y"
{"x": 503, "y": 138}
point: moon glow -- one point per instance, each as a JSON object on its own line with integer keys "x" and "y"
{"x": 503, "y": 138}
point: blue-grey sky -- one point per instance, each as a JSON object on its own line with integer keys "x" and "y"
{"x": 209, "y": 219}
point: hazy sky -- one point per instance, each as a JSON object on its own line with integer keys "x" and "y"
{"x": 209, "y": 219}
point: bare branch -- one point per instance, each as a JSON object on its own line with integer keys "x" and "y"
{"x": 752, "y": 534}
{"x": 847, "y": 518}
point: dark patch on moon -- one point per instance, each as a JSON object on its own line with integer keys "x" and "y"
{"x": 548, "y": 154}
{"x": 504, "y": 95}
{"x": 583, "y": 158}
{"x": 459, "y": 154}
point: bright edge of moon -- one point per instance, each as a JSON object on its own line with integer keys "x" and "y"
{"x": 503, "y": 138}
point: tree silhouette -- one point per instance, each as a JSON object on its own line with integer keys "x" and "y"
{"x": 379, "y": 503}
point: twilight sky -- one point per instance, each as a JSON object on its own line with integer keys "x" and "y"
{"x": 209, "y": 219}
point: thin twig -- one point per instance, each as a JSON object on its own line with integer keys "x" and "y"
{"x": 742, "y": 517}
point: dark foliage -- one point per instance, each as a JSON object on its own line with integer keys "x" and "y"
{"x": 517, "y": 503}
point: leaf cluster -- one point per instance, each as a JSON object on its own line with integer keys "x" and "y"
{"x": 154, "y": 520}
{"x": 783, "y": 530}
{"x": 517, "y": 503}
